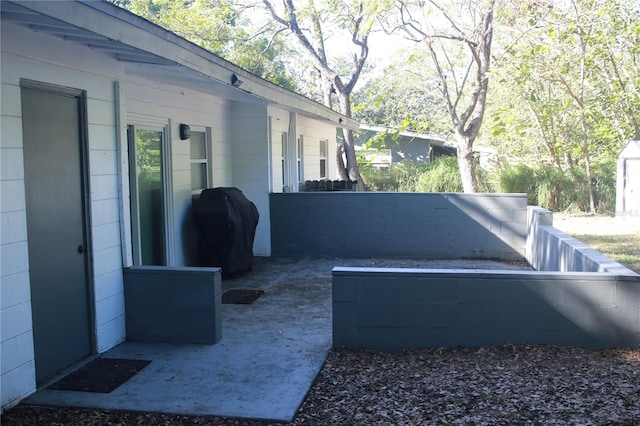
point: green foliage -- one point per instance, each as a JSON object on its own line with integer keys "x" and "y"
{"x": 401, "y": 177}
{"x": 222, "y": 27}
{"x": 519, "y": 179}
{"x": 603, "y": 177}
{"x": 442, "y": 175}
{"x": 402, "y": 96}
{"x": 555, "y": 189}
{"x": 566, "y": 85}
{"x": 149, "y": 159}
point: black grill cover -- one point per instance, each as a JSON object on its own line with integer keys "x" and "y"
{"x": 225, "y": 222}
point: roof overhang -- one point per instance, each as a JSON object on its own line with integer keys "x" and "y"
{"x": 150, "y": 51}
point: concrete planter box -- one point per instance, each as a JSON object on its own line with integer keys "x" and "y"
{"x": 393, "y": 309}
{"x": 576, "y": 297}
{"x": 173, "y": 304}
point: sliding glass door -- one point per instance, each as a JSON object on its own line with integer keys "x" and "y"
{"x": 148, "y": 195}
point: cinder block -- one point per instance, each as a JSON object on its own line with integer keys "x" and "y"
{"x": 382, "y": 234}
{"x": 177, "y": 305}
{"x": 344, "y": 289}
{"x": 344, "y": 313}
{"x": 589, "y": 293}
{"x": 378, "y": 289}
{"x": 368, "y": 314}
{"x": 382, "y": 338}
{"x": 346, "y": 336}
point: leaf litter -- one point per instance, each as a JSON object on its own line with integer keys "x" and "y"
{"x": 528, "y": 384}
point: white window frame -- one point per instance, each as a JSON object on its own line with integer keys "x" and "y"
{"x": 324, "y": 171}
{"x": 206, "y": 161}
{"x": 284, "y": 137}
{"x": 300, "y": 159}
{"x": 167, "y": 178}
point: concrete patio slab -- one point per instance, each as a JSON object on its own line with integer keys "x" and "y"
{"x": 269, "y": 355}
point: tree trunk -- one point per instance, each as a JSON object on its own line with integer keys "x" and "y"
{"x": 465, "y": 163}
{"x": 343, "y": 174}
{"x": 587, "y": 163}
{"x": 351, "y": 165}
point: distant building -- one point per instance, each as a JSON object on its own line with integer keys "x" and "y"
{"x": 403, "y": 147}
{"x": 628, "y": 181}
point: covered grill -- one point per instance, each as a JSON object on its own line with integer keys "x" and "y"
{"x": 225, "y": 222}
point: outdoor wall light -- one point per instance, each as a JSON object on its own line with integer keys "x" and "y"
{"x": 185, "y": 132}
{"x": 235, "y": 80}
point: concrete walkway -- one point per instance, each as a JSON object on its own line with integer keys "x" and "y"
{"x": 268, "y": 358}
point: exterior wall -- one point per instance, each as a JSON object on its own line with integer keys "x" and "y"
{"x": 249, "y": 124}
{"x": 395, "y": 309}
{"x": 410, "y": 149}
{"x": 313, "y": 131}
{"x": 429, "y": 225}
{"x": 628, "y": 182}
{"x": 115, "y": 98}
{"x": 30, "y": 55}
{"x": 149, "y": 102}
{"x": 279, "y": 124}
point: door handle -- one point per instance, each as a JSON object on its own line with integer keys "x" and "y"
{"x": 80, "y": 249}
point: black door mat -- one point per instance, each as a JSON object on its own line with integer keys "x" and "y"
{"x": 102, "y": 375}
{"x": 241, "y": 297}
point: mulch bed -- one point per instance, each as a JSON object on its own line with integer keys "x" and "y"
{"x": 489, "y": 385}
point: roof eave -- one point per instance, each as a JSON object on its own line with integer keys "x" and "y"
{"x": 115, "y": 23}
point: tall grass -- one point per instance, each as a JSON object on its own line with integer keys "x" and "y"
{"x": 441, "y": 176}
{"x": 558, "y": 190}
{"x": 546, "y": 186}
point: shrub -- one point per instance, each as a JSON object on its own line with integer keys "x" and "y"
{"x": 554, "y": 188}
{"x": 519, "y": 179}
{"x": 442, "y": 175}
{"x": 559, "y": 190}
{"x": 401, "y": 177}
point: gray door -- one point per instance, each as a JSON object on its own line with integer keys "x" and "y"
{"x": 56, "y": 227}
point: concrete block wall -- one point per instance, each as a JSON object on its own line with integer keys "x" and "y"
{"x": 576, "y": 297}
{"x": 173, "y": 304}
{"x": 549, "y": 249}
{"x": 426, "y": 225}
{"x": 393, "y": 309}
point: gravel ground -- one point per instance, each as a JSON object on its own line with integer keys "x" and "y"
{"x": 490, "y": 385}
